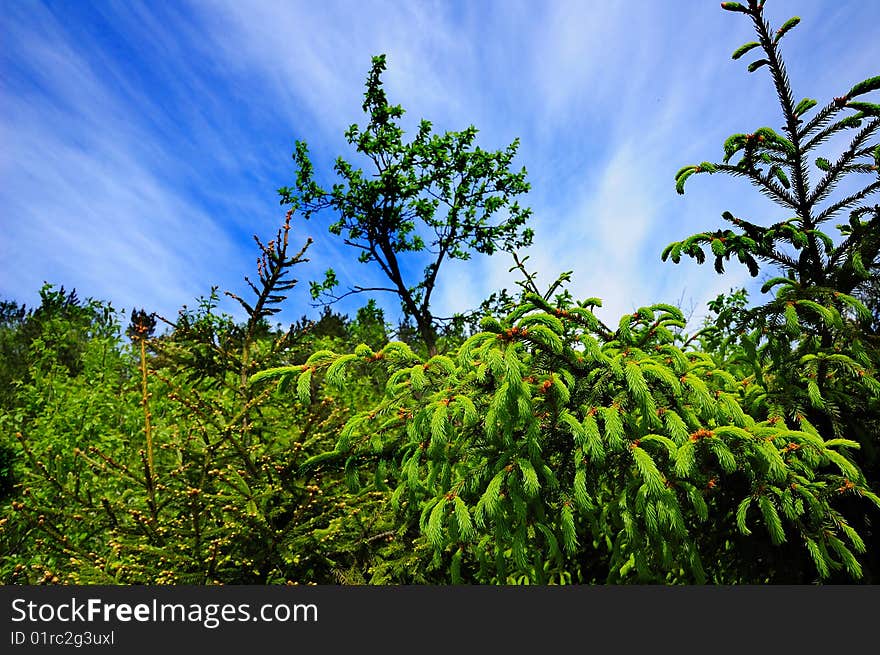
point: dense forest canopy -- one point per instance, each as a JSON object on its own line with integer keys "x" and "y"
{"x": 526, "y": 441}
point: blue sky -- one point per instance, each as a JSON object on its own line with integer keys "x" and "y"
{"x": 141, "y": 144}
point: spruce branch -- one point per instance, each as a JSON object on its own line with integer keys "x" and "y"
{"x": 826, "y": 184}
{"x": 820, "y": 120}
{"x": 849, "y": 201}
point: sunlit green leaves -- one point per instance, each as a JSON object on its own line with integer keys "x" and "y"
{"x": 439, "y": 195}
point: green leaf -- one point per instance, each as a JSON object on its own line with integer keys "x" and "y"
{"x": 828, "y": 315}
{"x": 699, "y": 391}
{"x": 543, "y": 318}
{"x": 667, "y": 443}
{"x": 593, "y": 445}
{"x": 782, "y": 177}
{"x": 755, "y": 65}
{"x": 434, "y": 530}
{"x": 698, "y": 503}
{"x": 270, "y": 373}
{"x": 418, "y": 379}
{"x": 682, "y": 178}
{"x": 336, "y": 372}
{"x": 581, "y": 496}
{"x": 469, "y": 410}
{"x": 684, "y": 169}
{"x": 769, "y": 284}
{"x": 804, "y": 106}
{"x": 855, "y": 304}
{"x": 858, "y": 266}
{"x": 867, "y": 108}
{"x": 741, "y": 512}
{"x": 827, "y": 242}
{"x": 613, "y": 427}
{"x": 819, "y": 558}
{"x": 490, "y": 324}
{"x": 546, "y": 337}
{"x": 530, "y": 478}
{"x": 792, "y": 324}
{"x": 771, "y": 519}
{"x": 732, "y": 432}
{"x": 562, "y": 393}
{"x": 684, "y": 459}
{"x": 463, "y": 519}
{"x": 733, "y": 144}
{"x": 438, "y": 426}
{"x": 304, "y": 386}
{"x": 648, "y": 470}
{"x": 815, "y": 395}
{"x": 776, "y": 467}
{"x": 396, "y": 351}
{"x": 569, "y": 533}
{"x": 675, "y": 426}
{"x": 743, "y": 49}
{"x": 441, "y": 364}
{"x": 455, "y": 567}
{"x": 725, "y": 458}
{"x": 734, "y": 6}
{"x": 850, "y": 563}
{"x": 857, "y": 543}
{"x": 635, "y": 382}
{"x": 843, "y": 464}
{"x": 574, "y": 426}
{"x": 489, "y": 502}
{"x": 871, "y": 84}
{"x": 782, "y": 31}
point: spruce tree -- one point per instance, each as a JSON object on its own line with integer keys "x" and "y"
{"x": 811, "y": 345}
{"x": 552, "y": 449}
{"x": 158, "y": 463}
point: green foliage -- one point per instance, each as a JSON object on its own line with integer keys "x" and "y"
{"x": 525, "y": 441}
{"x": 810, "y": 348}
{"x": 778, "y": 166}
{"x": 596, "y": 457}
{"x": 152, "y": 462}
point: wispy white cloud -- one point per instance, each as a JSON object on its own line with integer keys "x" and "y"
{"x": 90, "y": 197}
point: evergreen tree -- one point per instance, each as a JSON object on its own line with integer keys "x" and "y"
{"x": 810, "y": 346}
{"x": 551, "y": 449}
{"x": 779, "y": 165}
{"x": 155, "y": 461}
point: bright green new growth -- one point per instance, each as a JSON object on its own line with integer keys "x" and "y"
{"x": 542, "y": 446}
{"x": 553, "y": 449}
{"x": 779, "y": 166}
{"x": 546, "y": 451}
{"x": 816, "y": 312}
{"x": 812, "y": 346}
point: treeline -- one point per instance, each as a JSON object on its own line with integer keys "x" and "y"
{"x": 527, "y": 442}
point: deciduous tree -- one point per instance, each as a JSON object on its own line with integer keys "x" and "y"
{"x": 439, "y": 197}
